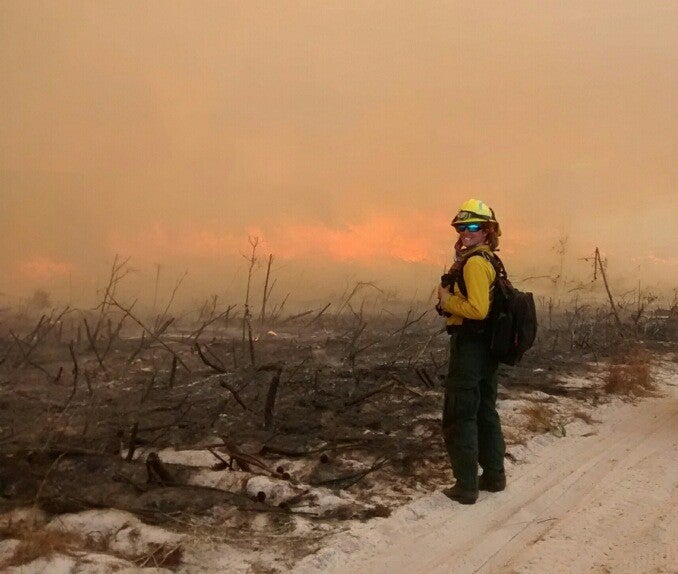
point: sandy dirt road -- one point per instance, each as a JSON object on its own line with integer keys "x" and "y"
{"x": 603, "y": 501}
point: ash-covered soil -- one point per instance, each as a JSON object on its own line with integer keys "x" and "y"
{"x": 247, "y": 446}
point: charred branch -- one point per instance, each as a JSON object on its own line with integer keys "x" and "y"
{"x": 359, "y": 399}
{"x": 195, "y": 335}
{"x": 161, "y": 323}
{"x": 269, "y": 408}
{"x": 210, "y": 364}
{"x": 267, "y": 292}
{"x": 234, "y": 393}
{"x": 245, "y": 461}
{"x": 320, "y": 314}
{"x": 153, "y": 335}
{"x": 295, "y": 317}
{"x": 93, "y": 347}
{"x": 348, "y": 480}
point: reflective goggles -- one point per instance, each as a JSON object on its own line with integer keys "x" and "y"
{"x": 473, "y": 227}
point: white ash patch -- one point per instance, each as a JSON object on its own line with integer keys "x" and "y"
{"x": 121, "y": 531}
{"x": 57, "y": 564}
{"x": 664, "y": 373}
{"x": 422, "y": 430}
{"x": 303, "y": 525}
{"x": 202, "y": 556}
{"x": 198, "y": 458}
{"x": 325, "y": 501}
{"x": 260, "y": 522}
{"x": 430, "y": 417}
{"x": 232, "y": 480}
{"x": 77, "y": 562}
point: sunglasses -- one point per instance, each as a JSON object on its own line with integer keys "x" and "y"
{"x": 468, "y": 227}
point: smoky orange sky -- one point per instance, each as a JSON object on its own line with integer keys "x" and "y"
{"x": 343, "y": 134}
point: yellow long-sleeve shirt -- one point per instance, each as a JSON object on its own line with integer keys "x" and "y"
{"x": 479, "y": 275}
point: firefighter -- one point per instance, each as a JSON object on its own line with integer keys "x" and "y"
{"x": 471, "y": 426}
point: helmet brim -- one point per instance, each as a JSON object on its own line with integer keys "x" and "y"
{"x": 456, "y": 221}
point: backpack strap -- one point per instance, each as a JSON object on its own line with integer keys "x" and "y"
{"x": 497, "y": 264}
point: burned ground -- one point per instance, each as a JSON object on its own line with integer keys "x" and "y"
{"x": 204, "y": 426}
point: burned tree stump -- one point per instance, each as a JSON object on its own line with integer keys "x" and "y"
{"x": 156, "y": 470}
{"x": 269, "y": 408}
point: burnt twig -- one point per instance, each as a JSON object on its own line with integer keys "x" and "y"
{"x": 196, "y": 334}
{"x": 252, "y": 259}
{"x": 609, "y": 294}
{"x": 161, "y": 319}
{"x": 320, "y": 314}
{"x": 76, "y": 372}
{"x": 349, "y": 480}
{"x": 294, "y": 317}
{"x": 250, "y": 341}
{"x": 92, "y": 345}
{"x": 218, "y": 368}
{"x": 267, "y": 292}
{"x": 235, "y": 394}
{"x": 369, "y": 394}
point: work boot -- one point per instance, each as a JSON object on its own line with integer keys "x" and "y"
{"x": 492, "y": 482}
{"x": 461, "y": 495}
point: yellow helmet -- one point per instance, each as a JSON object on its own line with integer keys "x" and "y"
{"x": 476, "y": 211}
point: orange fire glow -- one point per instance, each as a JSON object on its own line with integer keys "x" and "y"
{"x": 417, "y": 238}
{"x": 377, "y": 238}
{"x": 43, "y": 268}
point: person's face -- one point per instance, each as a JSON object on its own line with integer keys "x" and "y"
{"x": 471, "y": 234}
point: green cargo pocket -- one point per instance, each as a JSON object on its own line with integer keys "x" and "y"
{"x": 466, "y": 404}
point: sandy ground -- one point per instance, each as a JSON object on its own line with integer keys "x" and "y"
{"x": 601, "y": 500}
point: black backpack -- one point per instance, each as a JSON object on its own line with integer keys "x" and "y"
{"x": 512, "y": 318}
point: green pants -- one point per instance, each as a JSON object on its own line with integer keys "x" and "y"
{"x": 471, "y": 426}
